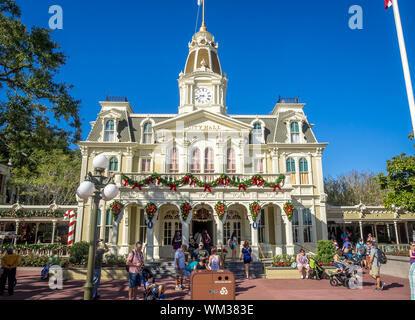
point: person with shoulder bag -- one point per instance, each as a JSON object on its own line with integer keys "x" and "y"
{"x": 135, "y": 264}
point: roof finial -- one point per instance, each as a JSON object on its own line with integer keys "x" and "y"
{"x": 203, "y": 27}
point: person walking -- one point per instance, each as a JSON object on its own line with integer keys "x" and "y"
{"x": 9, "y": 262}
{"x": 214, "y": 260}
{"x": 135, "y": 262}
{"x": 246, "y": 253}
{"x": 412, "y": 270}
{"x": 192, "y": 245}
{"x": 102, "y": 249}
{"x": 179, "y": 265}
{"x": 177, "y": 240}
{"x": 233, "y": 242}
{"x": 361, "y": 251}
{"x": 206, "y": 240}
{"x": 374, "y": 266}
{"x": 303, "y": 263}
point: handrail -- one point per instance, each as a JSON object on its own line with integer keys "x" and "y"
{"x": 263, "y": 256}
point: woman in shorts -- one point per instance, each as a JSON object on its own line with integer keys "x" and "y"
{"x": 302, "y": 263}
{"x": 246, "y": 253}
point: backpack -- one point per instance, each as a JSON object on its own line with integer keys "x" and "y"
{"x": 381, "y": 256}
{"x": 362, "y": 250}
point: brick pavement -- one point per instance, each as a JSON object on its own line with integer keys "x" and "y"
{"x": 30, "y": 287}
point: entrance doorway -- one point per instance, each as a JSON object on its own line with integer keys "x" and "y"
{"x": 202, "y": 220}
{"x": 200, "y": 226}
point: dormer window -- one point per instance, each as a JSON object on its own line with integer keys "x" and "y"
{"x": 113, "y": 164}
{"x": 147, "y": 133}
{"x": 109, "y": 132}
{"x": 257, "y": 134}
{"x": 295, "y": 132}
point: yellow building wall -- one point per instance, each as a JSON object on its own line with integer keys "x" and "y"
{"x": 269, "y": 165}
{"x": 157, "y": 165}
{"x": 123, "y": 164}
{"x": 136, "y": 164}
{"x": 85, "y": 223}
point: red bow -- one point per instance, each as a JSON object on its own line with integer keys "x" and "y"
{"x": 193, "y": 182}
{"x": 149, "y": 180}
{"x": 137, "y": 185}
{"x": 186, "y": 180}
{"x": 173, "y": 186}
{"x": 158, "y": 180}
{"x": 125, "y": 182}
{"x": 207, "y": 187}
{"x": 242, "y": 186}
{"x": 277, "y": 186}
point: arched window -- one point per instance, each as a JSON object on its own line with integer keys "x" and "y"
{"x": 147, "y": 133}
{"x": 195, "y": 161}
{"x": 173, "y": 161}
{"x": 109, "y": 132}
{"x": 295, "y": 132}
{"x": 209, "y": 160}
{"x": 296, "y": 226}
{"x": 113, "y": 164}
{"x": 257, "y": 134}
{"x": 291, "y": 169}
{"x": 230, "y": 161}
{"x": 303, "y": 171}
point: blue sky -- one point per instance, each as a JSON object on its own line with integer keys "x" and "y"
{"x": 351, "y": 80}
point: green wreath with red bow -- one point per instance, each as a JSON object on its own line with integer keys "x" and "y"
{"x": 150, "y": 210}
{"x": 115, "y": 209}
{"x": 289, "y": 210}
{"x": 220, "y": 209}
{"x": 185, "y": 209}
{"x": 255, "y": 209}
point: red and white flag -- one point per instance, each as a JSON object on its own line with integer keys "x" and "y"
{"x": 388, "y": 4}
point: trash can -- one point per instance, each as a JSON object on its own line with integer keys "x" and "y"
{"x": 212, "y": 285}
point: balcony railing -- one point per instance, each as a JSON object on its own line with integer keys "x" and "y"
{"x": 116, "y": 98}
{"x": 288, "y": 100}
{"x": 205, "y": 177}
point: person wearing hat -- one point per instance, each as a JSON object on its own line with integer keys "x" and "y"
{"x": 10, "y": 261}
{"x": 201, "y": 252}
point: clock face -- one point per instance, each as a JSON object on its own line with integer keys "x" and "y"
{"x": 202, "y": 95}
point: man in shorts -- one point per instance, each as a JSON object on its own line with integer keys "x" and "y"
{"x": 179, "y": 264}
{"x": 374, "y": 266}
{"x": 135, "y": 262}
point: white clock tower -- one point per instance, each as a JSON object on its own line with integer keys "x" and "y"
{"x": 203, "y": 85}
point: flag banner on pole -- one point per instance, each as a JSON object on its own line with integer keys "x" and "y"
{"x": 388, "y": 4}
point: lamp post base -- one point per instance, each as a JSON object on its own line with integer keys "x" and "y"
{"x": 88, "y": 289}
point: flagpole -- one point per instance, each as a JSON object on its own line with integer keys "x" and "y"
{"x": 405, "y": 63}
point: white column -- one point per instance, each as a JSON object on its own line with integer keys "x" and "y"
{"x": 275, "y": 166}
{"x": 319, "y": 168}
{"x": 396, "y": 232}
{"x": 219, "y": 232}
{"x": 376, "y": 232}
{"x": 289, "y": 237}
{"x": 406, "y": 232}
{"x": 79, "y": 222}
{"x": 84, "y": 164}
{"x": 314, "y": 226}
{"x": 156, "y": 251}
{"x": 37, "y": 229}
{"x": 129, "y": 164}
{"x": 150, "y": 241}
{"x": 301, "y": 226}
{"x": 125, "y": 232}
{"x": 254, "y": 243}
{"x": 323, "y": 219}
{"x": 310, "y": 170}
{"x": 297, "y": 171}
{"x": 389, "y": 232}
{"x": 361, "y": 229}
{"x": 185, "y": 233}
{"x": 53, "y": 231}
{"x": 17, "y": 231}
{"x": 278, "y": 232}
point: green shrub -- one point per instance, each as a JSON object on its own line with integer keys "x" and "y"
{"x": 79, "y": 253}
{"x": 285, "y": 258}
{"x": 32, "y": 260}
{"x": 325, "y": 251}
{"x": 113, "y": 259}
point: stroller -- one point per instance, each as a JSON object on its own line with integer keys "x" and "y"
{"x": 346, "y": 278}
{"x": 316, "y": 270}
{"x": 151, "y": 293}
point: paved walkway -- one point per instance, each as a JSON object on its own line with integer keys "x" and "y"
{"x": 30, "y": 287}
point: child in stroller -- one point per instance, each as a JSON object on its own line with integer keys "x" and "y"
{"x": 316, "y": 270}
{"x": 152, "y": 291}
{"x": 346, "y": 276}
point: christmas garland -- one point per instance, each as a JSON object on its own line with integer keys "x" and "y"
{"x": 289, "y": 210}
{"x": 255, "y": 209}
{"x": 190, "y": 179}
{"x": 221, "y": 209}
{"x": 185, "y": 209}
{"x": 32, "y": 213}
{"x": 116, "y": 208}
{"x": 150, "y": 209}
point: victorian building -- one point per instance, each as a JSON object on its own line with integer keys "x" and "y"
{"x": 206, "y": 141}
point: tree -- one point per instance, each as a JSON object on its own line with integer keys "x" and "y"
{"x": 29, "y": 63}
{"x": 400, "y": 181}
{"x": 55, "y": 180}
{"x": 354, "y": 188}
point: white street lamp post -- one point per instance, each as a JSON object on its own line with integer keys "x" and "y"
{"x": 99, "y": 187}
